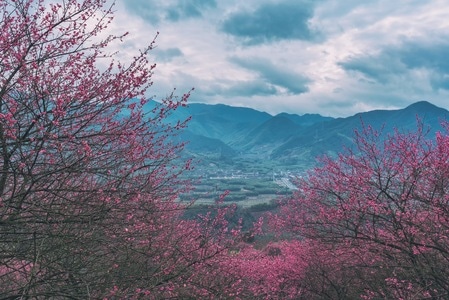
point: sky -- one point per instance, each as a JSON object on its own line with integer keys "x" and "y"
{"x": 332, "y": 57}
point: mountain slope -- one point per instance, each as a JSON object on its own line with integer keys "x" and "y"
{"x": 274, "y": 131}
{"x": 224, "y": 131}
{"x": 201, "y": 146}
{"x": 223, "y": 122}
{"x": 306, "y": 119}
{"x": 330, "y": 137}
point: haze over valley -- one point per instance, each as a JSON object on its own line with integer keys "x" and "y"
{"x": 258, "y": 156}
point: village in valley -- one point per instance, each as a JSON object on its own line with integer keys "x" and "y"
{"x": 246, "y": 185}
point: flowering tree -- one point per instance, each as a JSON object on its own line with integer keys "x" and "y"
{"x": 384, "y": 209}
{"x": 88, "y": 183}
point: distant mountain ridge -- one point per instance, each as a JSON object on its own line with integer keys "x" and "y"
{"x": 225, "y": 131}
{"x": 222, "y": 122}
{"x": 330, "y": 137}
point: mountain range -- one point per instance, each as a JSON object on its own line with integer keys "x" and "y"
{"x": 226, "y": 132}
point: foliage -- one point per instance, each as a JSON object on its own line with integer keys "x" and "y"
{"x": 380, "y": 218}
{"x": 88, "y": 183}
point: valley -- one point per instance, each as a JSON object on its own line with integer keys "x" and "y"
{"x": 249, "y": 182}
{"x": 257, "y": 157}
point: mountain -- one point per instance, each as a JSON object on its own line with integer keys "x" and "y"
{"x": 221, "y": 131}
{"x": 306, "y": 119}
{"x": 330, "y": 137}
{"x": 199, "y": 145}
{"x": 274, "y": 131}
{"x": 223, "y": 122}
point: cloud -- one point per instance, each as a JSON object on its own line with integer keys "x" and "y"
{"x": 271, "y": 22}
{"x": 395, "y": 61}
{"x": 167, "y": 55}
{"x": 431, "y": 57}
{"x": 169, "y": 10}
{"x": 292, "y": 82}
{"x": 328, "y": 56}
{"x": 378, "y": 68}
{"x": 252, "y": 88}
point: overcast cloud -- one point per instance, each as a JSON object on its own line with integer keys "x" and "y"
{"x": 331, "y": 57}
